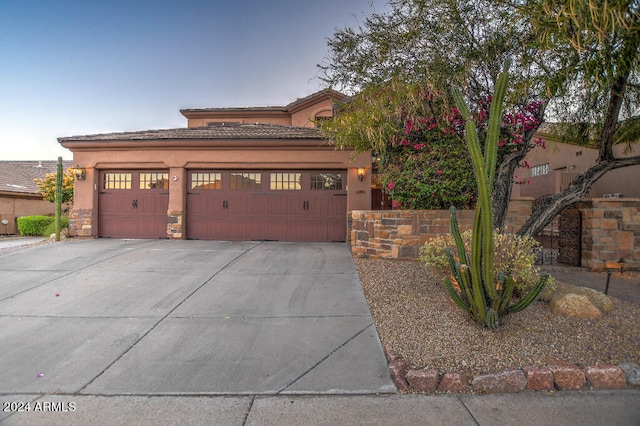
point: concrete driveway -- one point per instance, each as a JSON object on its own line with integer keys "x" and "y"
{"x": 159, "y": 317}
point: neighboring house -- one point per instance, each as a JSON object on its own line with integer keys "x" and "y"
{"x": 262, "y": 173}
{"x": 18, "y": 191}
{"x": 552, "y": 169}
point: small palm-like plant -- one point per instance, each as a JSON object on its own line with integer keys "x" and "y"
{"x": 487, "y": 300}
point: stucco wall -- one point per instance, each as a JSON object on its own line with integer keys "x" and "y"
{"x": 13, "y": 207}
{"x": 572, "y": 159}
{"x": 84, "y": 220}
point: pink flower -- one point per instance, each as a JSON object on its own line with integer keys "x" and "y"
{"x": 405, "y": 142}
{"x": 395, "y": 204}
{"x": 439, "y": 171}
{"x": 419, "y": 146}
{"x": 431, "y": 126}
{"x": 409, "y": 126}
{"x": 391, "y": 185}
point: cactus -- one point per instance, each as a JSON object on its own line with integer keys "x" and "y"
{"x": 487, "y": 300}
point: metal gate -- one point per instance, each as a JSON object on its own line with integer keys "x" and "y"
{"x": 560, "y": 239}
{"x": 570, "y": 232}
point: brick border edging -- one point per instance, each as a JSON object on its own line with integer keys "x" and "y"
{"x": 555, "y": 375}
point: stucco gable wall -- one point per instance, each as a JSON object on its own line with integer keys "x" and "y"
{"x": 306, "y": 116}
{"x": 283, "y": 120}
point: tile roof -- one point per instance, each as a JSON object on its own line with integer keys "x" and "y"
{"x": 17, "y": 176}
{"x": 227, "y": 131}
{"x": 326, "y": 93}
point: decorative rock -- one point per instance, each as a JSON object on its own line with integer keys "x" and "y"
{"x": 391, "y": 354}
{"x": 454, "y": 382}
{"x": 425, "y": 380}
{"x": 632, "y": 372}
{"x": 573, "y": 305}
{"x": 606, "y": 376}
{"x": 567, "y": 376}
{"x": 539, "y": 377}
{"x": 398, "y": 369}
{"x": 508, "y": 381}
{"x": 597, "y": 298}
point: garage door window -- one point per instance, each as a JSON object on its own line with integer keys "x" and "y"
{"x": 326, "y": 181}
{"x": 285, "y": 181}
{"x": 206, "y": 181}
{"x": 154, "y": 180}
{"x": 117, "y": 181}
{"x": 251, "y": 181}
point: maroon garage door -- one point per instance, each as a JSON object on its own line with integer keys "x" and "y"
{"x": 133, "y": 204}
{"x": 266, "y": 205}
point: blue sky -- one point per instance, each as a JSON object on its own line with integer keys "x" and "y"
{"x": 75, "y": 67}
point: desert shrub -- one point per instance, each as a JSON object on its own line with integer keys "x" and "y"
{"x": 51, "y": 228}
{"x": 34, "y": 225}
{"x": 513, "y": 255}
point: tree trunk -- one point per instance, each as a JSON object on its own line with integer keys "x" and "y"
{"x": 503, "y": 182}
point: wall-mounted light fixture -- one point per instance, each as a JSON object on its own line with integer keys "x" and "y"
{"x": 80, "y": 173}
{"x": 361, "y": 173}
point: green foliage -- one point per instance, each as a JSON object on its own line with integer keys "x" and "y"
{"x": 513, "y": 256}
{"x": 47, "y": 186}
{"x": 51, "y": 228}
{"x": 481, "y": 293}
{"x": 419, "y": 141}
{"x": 34, "y": 225}
{"x": 434, "y": 173}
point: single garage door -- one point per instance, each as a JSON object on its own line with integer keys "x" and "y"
{"x": 266, "y": 205}
{"x": 133, "y": 204}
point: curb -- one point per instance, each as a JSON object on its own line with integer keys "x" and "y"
{"x": 549, "y": 377}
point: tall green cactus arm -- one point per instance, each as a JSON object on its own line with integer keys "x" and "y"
{"x": 507, "y": 293}
{"x": 483, "y": 257}
{"x": 455, "y": 231}
{"x": 495, "y": 119}
{"x": 455, "y": 296}
{"x": 532, "y": 295}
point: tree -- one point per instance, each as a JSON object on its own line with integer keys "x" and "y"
{"x": 47, "y": 186}
{"x": 589, "y": 53}
{"x": 581, "y": 53}
{"x": 441, "y": 44}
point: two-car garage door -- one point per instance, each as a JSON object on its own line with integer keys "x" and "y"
{"x": 287, "y": 205}
{"x": 266, "y": 205}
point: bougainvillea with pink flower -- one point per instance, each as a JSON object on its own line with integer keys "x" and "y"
{"x": 428, "y": 167}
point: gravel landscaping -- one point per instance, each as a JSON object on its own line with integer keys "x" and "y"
{"x": 415, "y": 316}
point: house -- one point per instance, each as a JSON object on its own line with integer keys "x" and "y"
{"x": 552, "y": 169}
{"x": 18, "y": 192}
{"x": 259, "y": 173}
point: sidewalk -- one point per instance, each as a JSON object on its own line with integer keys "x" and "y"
{"x": 584, "y": 408}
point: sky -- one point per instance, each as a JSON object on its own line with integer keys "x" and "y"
{"x": 79, "y": 67}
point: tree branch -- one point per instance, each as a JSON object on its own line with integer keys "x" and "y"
{"x": 552, "y": 205}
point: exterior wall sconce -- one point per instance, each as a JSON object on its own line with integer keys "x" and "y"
{"x": 80, "y": 173}
{"x": 361, "y": 173}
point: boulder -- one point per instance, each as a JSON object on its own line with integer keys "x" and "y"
{"x": 425, "y": 380}
{"x": 508, "y": 381}
{"x": 632, "y": 372}
{"x": 567, "y": 376}
{"x": 398, "y": 370}
{"x": 606, "y": 376}
{"x": 573, "y": 305}
{"x": 454, "y": 382}
{"x": 597, "y": 298}
{"x": 539, "y": 377}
